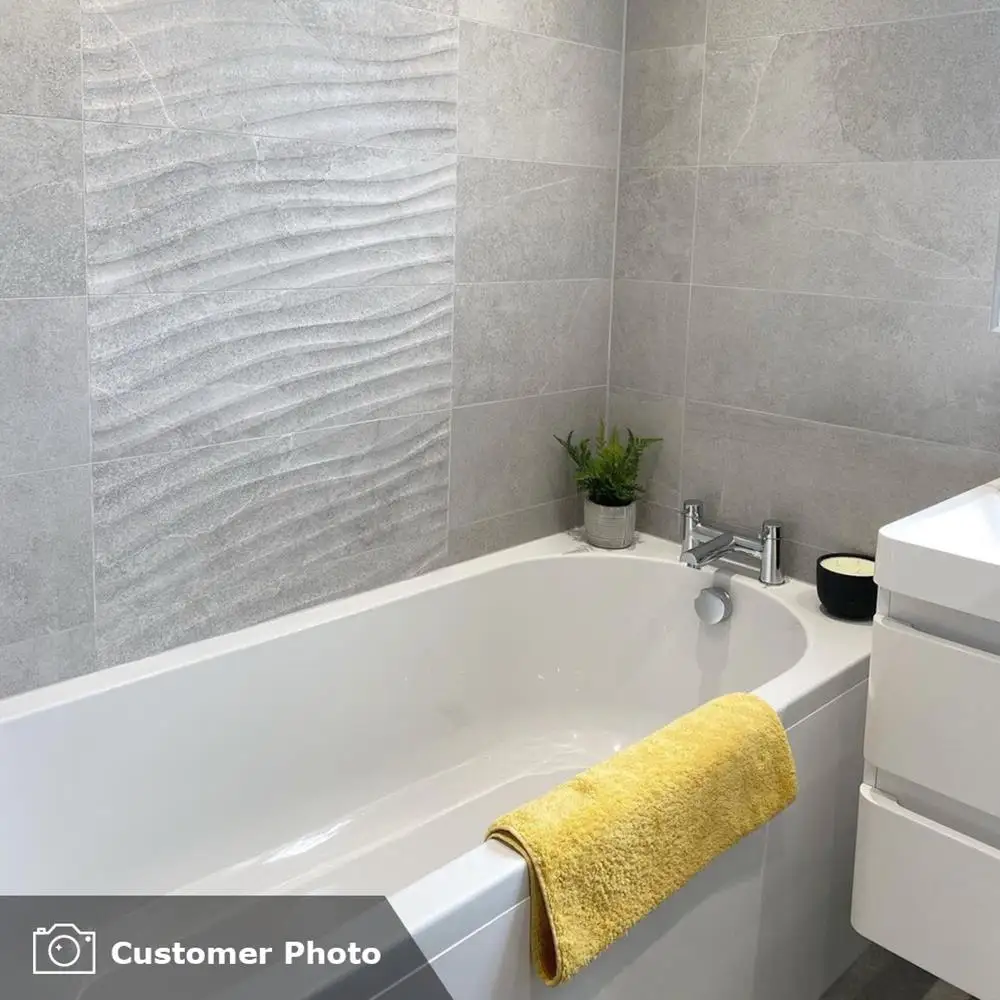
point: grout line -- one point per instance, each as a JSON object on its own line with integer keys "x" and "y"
{"x": 973, "y": 12}
{"x": 846, "y": 296}
{"x": 694, "y": 234}
{"x": 842, "y": 295}
{"x": 888, "y": 435}
{"x": 422, "y": 153}
{"x": 614, "y": 229}
{"x": 533, "y": 395}
{"x": 454, "y": 309}
{"x": 536, "y": 34}
{"x": 298, "y": 432}
{"x": 548, "y": 163}
{"x": 875, "y": 164}
{"x": 425, "y": 154}
{"x": 519, "y": 510}
{"x": 86, "y": 312}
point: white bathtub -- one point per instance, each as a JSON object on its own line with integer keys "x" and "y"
{"x": 365, "y": 745}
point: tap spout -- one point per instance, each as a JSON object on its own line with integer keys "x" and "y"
{"x": 706, "y": 552}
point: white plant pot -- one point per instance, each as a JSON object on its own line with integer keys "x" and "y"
{"x": 609, "y": 527}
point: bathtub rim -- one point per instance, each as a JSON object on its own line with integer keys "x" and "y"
{"x": 812, "y": 681}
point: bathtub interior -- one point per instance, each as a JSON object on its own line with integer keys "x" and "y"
{"x": 302, "y": 754}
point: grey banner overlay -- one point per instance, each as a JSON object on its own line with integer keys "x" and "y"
{"x": 209, "y": 948}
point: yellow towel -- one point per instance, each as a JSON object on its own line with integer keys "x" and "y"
{"x": 608, "y": 846}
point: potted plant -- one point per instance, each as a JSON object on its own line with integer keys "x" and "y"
{"x": 609, "y": 476}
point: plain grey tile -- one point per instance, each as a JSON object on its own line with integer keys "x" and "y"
{"x": 40, "y": 54}
{"x": 172, "y": 211}
{"x": 799, "y": 560}
{"x": 885, "y": 92}
{"x": 655, "y": 224}
{"x": 516, "y": 528}
{"x": 533, "y": 221}
{"x": 930, "y": 372}
{"x": 833, "y": 487}
{"x": 46, "y": 659}
{"x": 924, "y": 231}
{"x": 526, "y": 338}
{"x": 657, "y": 24}
{"x": 41, "y": 225}
{"x": 45, "y": 553}
{"x": 650, "y": 415}
{"x": 596, "y": 22}
{"x": 662, "y": 107}
{"x": 531, "y": 98}
{"x": 176, "y": 371}
{"x": 44, "y": 394}
{"x": 504, "y": 457}
{"x": 338, "y": 70}
{"x": 744, "y": 18}
{"x": 649, "y": 336}
{"x": 197, "y": 543}
{"x": 662, "y": 522}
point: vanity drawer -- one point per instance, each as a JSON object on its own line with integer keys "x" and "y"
{"x": 928, "y": 894}
{"x": 934, "y": 714}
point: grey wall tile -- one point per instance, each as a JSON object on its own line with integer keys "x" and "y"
{"x": 886, "y": 92}
{"x": 41, "y": 226}
{"x": 533, "y": 221}
{"x": 40, "y": 54}
{"x": 928, "y": 372}
{"x": 662, "y": 522}
{"x": 44, "y": 393}
{"x": 596, "y": 22}
{"x": 503, "y": 455}
{"x": 656, "y": 24}
{"x": 662, "y": 107}
{"x": 655, "y": 224}
{"x": 196, "y": 543}
{"x": 339, "y": 70}
{"x": 649, "y": 336}
{"x": 743, "y": 18}
{"x": 194, "y": 211}
{"x": 516, "y": 528}
{"x": 522, "y": 339}
{"x": 799, "y": 561}
{"x": 924, "y": 231}
{"x": 46, "y": 659}
{"x": 172, "y": 371}
{"x": 833, "y": 487}
{"x": 532, "y": 98}
{"x": 650, "y": 415}
{"x": 45, "y": 553}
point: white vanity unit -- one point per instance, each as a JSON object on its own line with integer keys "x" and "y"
{"x": 927, "y": 870}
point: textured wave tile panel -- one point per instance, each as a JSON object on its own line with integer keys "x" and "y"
{"x": 341, "y": 70}
{"x": 194, "y": 211}
{"x": 172, "y": 371}
{"x": 197, "y": 543}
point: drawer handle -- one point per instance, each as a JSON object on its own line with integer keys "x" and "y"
{"x": 882, "y": 801}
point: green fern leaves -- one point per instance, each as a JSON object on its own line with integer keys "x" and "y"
{"x": 608, "y": 474}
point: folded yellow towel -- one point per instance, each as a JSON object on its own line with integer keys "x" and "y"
{"x": 608, "y": 846}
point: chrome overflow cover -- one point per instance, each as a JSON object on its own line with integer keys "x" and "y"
{"x": 713, "y": 605}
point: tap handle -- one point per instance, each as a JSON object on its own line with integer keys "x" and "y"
{"x": 770, "y": 531}
{"x": 694, "y": 510}
{"x": 772, "y": 572}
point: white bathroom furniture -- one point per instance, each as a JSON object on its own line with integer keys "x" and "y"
{"x": 927, "y": 868}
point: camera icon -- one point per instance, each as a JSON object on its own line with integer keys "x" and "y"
{"x": 63, "y": 950}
